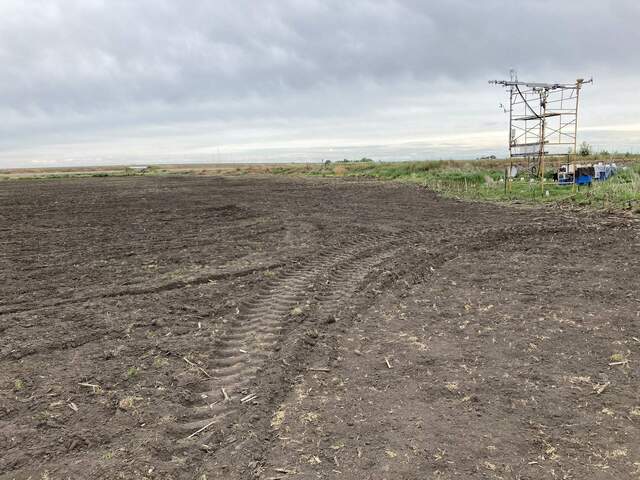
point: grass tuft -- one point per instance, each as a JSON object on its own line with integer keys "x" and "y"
{"x": 484, "y": 180}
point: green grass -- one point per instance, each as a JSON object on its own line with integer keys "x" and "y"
{"x": 484, "y": 180}
{"x": 61, "y": 175}
{"x": 469, "y": 179}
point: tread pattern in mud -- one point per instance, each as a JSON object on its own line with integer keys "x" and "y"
{"x": 324, "y": 283}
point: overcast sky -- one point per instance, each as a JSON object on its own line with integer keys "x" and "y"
{"x": 113, "y": 81}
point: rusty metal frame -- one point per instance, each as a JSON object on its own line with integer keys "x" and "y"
{"x": 543, "y": 119}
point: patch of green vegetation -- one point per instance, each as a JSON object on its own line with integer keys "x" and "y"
{"x": 107, "y": 455}
{"x": 98, "y": 173}
{"x": 469, "y": 179}
{"x": 160, "y": 362}
{"x": 484, "y": 180}
{"x": 132, "y": 372}
{"x": 617, "y": 357}
{"x": 18, "y": 385}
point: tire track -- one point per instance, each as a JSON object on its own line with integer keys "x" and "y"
{"x": 146, "y": 290}
{"x": 295, "y": 231}
{"x": 252, "y": 338}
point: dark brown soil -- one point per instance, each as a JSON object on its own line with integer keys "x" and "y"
{"x": 358, "y": 330}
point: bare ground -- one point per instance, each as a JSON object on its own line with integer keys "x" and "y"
{"x": 238, "y": 328}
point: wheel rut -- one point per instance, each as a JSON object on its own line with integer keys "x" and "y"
{"x": 322, "y": 283}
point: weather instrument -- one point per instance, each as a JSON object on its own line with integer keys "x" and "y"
{"x": 543, "y": 119}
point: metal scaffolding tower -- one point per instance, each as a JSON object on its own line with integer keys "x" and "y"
{"x": 543, "y": 119}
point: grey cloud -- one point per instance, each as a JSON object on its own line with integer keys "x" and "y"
{"x": 94, "y": 54}
{"x": 91, "y": 66}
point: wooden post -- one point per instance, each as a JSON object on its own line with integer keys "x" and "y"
{"x": 506, "y": 177}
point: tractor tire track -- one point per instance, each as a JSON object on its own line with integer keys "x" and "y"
{"x": 261, "y": 323}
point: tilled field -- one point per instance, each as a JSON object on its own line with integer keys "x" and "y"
{"x": 269, "y": 328}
